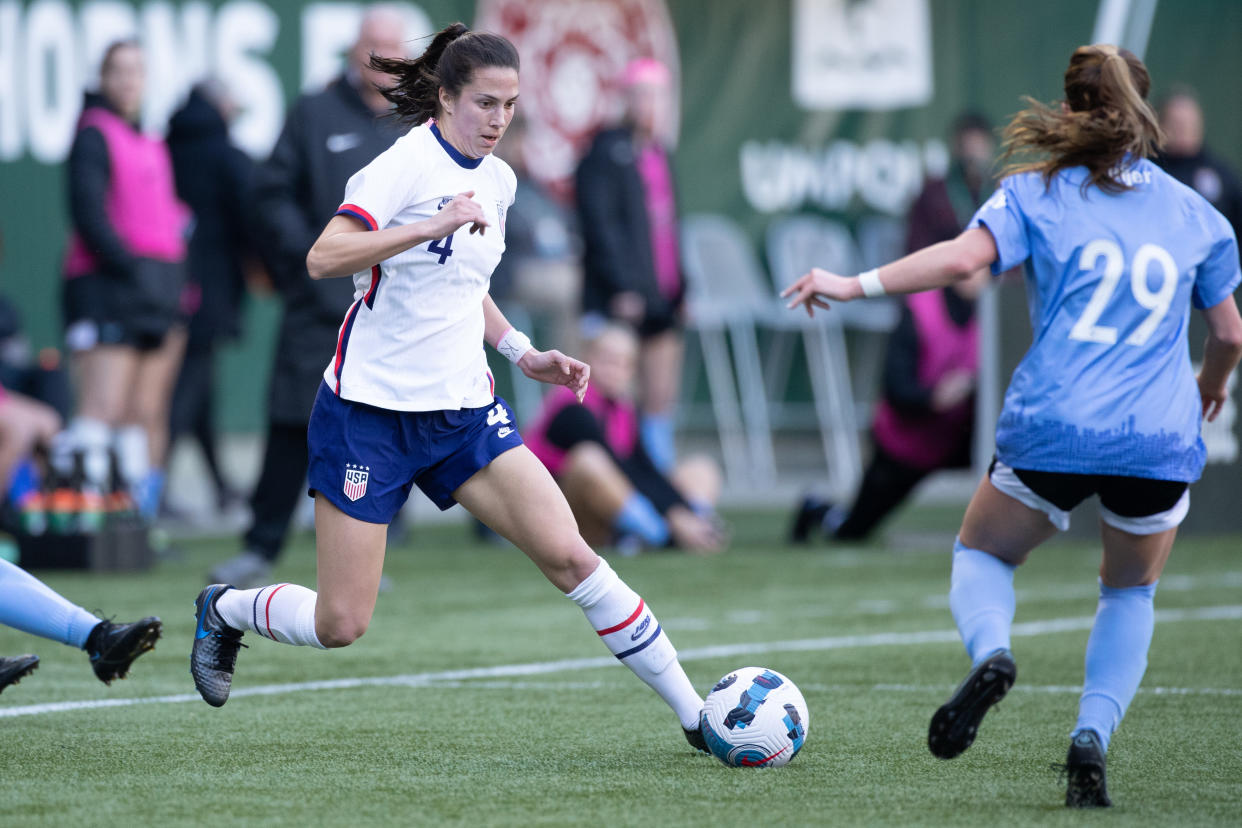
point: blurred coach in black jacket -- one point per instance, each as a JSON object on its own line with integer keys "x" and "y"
{"x": 328, "y": 136}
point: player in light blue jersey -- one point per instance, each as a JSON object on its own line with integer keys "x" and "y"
{"x": 1105, "y": 401}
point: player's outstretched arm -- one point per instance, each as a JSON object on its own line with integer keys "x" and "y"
{"x": 346, "y": 246}
{"x": 1220, "y": 355}
{"x": 932, "y": 267}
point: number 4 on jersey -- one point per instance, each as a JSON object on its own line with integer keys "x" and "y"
{"x": 443, "y": 246}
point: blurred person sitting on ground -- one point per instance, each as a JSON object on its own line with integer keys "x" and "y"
{"x": 1190, "y": 162}
{"x": 214, "y": 177}
{"x": 328, "y": 136}
{"x": 924, "y": 420}
{"x": 29, "y": 605}
{"x": 124, "y": 274}
{"x": 594, "y": 451}
{"x": 627, "y": 210}
{"x": 541, "y": 271}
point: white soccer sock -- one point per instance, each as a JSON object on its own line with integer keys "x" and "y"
{"x": 632, "y": 633}
{"x": 281, "y": 612}
{"x": 982, "y": 600}
{"x": 91, "y": 437}
{"x": 132, "y": 455}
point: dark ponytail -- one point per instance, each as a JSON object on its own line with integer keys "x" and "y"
{"x": 450, "y": 60}
{"x": 1109, "y": 117}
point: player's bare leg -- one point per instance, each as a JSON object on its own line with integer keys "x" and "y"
{"x": 517, "y": 497}
{"x": 350, "y": 560}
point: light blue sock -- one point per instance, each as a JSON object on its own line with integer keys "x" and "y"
{"x": 982, "y": 600}
{"x": 639, "y": 517}
{"x": 1116, "y": 657}
{"x": 147, "y": 497}
{"x": 656, "y": 431}
{"x": 29, "y": 605}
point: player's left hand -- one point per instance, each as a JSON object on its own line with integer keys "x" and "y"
{"x": 555, "y": 368}
{"x": 813, "y": 289}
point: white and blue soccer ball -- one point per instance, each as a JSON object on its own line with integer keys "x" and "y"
{"x": 755, "y": 718}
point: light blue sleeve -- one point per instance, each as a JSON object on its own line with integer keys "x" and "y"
{"x": 1002, "y": 216}
{"x": 1219, "y": 274}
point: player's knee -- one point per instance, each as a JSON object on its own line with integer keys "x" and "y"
{"x": 340, "y": 631}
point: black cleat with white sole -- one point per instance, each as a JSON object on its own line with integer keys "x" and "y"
{"x": 216, "y": 644}
{"x": 954, "y": 725}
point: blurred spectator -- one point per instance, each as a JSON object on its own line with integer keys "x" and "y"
{"x": 924, "y": 420}
{"x": 541, "y": 270}
{"x": 632, "y": 270}
{"x": 594, "y": 450}
{"x": 214, "y": 179}
{"x": 1186, "y": 159}
{"x": 327, "y": 137}
{"x": 123, "y": 285}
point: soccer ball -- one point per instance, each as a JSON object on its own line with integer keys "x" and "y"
{"x": 755, "y": 718}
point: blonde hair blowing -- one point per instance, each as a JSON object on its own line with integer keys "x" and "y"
{"x": 1104, "y": 118}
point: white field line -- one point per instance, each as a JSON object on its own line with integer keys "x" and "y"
{"x": 1024, "y": 630}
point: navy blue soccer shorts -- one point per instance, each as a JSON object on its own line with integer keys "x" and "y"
{"x": 365, "y": 459}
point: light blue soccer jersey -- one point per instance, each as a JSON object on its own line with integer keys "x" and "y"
{"x": 1107, "y": 386}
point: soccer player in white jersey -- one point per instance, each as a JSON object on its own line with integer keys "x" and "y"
{"x": 407, "y": 398}
{"x": 1104, "y": 402}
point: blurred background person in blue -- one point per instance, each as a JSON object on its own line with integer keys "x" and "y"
{"x": 627, "y": 208}
{"x": 328, "y": 136}
{"x": 924, "y": 420}
{"x": 214, "y": 177}
{"x": 595, "y": 452}
{"x": 1190, "y": 162}
{"x": 124, "y": 274}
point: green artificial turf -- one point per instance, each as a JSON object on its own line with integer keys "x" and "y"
{"x": 577, "y": 744}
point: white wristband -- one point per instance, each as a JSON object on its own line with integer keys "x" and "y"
{"x": 514, "y": 345}
{"x": 870, "y": 282}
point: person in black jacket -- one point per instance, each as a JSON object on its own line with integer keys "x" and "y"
{"x": 214, "y": 178}
{"x": 327, "y": 137}
{"x": 632, "y": 270}
{"x": 1190, "y": 162}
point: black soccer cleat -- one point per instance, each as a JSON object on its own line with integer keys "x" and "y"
{"x": 1084, "y": 770}
{"x": 808, "y": 518}
{"x": 13, "y": 670}
{"x": 954, "y": 725}
{"x": 113, "y": 647}
{"x": 696, "y": 740}
{"x": 216, "y": 645}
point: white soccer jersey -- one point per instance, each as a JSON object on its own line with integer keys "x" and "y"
{"x": 413, "y": 338}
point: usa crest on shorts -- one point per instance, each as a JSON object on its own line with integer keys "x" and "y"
{"x": 356, "y": 480}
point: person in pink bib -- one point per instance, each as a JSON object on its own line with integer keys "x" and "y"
{"x": 123, "y": 284}
{"x": 595, "y": 451}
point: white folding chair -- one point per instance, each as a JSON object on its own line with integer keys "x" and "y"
{"x": 795, "y": 244}
{"x": 726, "y": 290}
